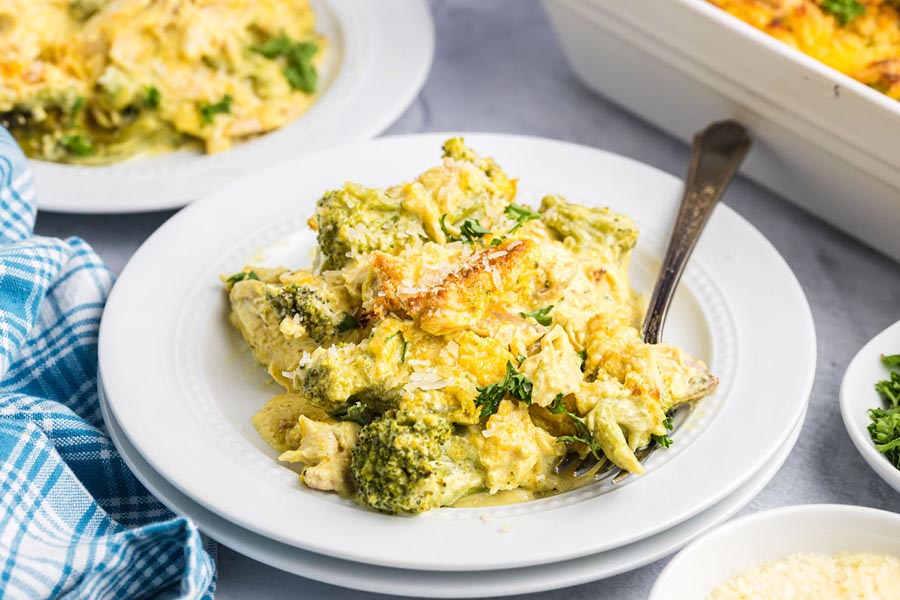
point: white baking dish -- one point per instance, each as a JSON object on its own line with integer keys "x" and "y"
{"x": 822, "y": 140}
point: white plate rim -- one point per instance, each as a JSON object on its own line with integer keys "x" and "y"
{"x": 442, "y": 584}
{"x": 788, "y": 314}
{"x": 858, "y": 395}
{"x": 386, "y": 53}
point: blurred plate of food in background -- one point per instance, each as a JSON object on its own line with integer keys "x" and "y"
{"x": 129, "y": 106}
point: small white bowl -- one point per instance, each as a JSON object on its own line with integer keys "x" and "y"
{"x": 772, "y": 535}
{"x": 858, "y": 395}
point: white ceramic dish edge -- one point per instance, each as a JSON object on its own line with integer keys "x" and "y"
{"x": 858, "y": 395}
{"x": 770, "y": 535}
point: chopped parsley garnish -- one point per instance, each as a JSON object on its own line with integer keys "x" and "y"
{"x": 844, "y": 10}
{"x": 520, "y": 215}
{"x": 583, "y": 356}
{"x": 890, "y": 389}
{"x": 348, "y": 323}
{"x": 76, "y": 144}
{"x": 520, "y": 359}
{"x": 496, "y": 242}
{"x": 274, "y": 47}
{"x": 403, "y": 343}
{"x": 298, "y": 68}
{"x": 663, "y": 440}
{"x": 447, "y": 234}
{"x": 514, "y": 384}
{"x": 885, "y": 426}
{"x": 891, "y": 361}
{"x": 151, "y": 97}
{"x": 541, "y": 315}
{"x": 885, "y": 432}
{"x": 355, "y": 412}
{"x": 583, "y": 433}
{"x": 472, "y": 230}
{"x": 208, "y": 112}
{"x": 241, "y": 276}
{"x": 76, "y": 110}
{"x": 300, "y": 72}
{"x": 469, "y": 231}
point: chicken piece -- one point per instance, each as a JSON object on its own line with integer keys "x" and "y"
{"x": 325, "y": 449}
{"x": 659, "y": 371}
{"x": 620, "y": 423}
{"x": 276, "y": 421}
{"x": 253, "y": 315}
{"x": 515, "y": 452}
{"x": 556, "y": 369}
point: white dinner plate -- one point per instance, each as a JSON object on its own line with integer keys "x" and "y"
{"x": 378, "y": 57}
{"x": 858, "y": 395}
{"x": 443, "y": 584}
{"x": 183, "y": 386}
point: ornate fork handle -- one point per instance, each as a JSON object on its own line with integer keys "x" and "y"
{"x": 716, "y": 154}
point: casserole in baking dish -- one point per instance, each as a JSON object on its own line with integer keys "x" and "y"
{"x": 823, "y": 140}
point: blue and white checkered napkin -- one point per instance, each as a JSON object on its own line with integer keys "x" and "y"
{"x": 74, "y": 521}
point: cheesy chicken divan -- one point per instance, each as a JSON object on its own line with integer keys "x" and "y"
{"x": 860, "y": 38}
{"x": 96, "y": 81}
{"x": 452, "y": 343}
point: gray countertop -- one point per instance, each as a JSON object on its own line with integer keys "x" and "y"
{"x": 499, "y": 68}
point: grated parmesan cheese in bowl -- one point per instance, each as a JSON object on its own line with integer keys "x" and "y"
{"x": 842, "y": 576}
{"x": 803, "y": 552}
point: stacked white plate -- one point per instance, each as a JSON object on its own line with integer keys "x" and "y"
{"x": 180, "y": 387}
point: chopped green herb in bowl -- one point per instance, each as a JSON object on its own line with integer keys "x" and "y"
{"x": 885, "y": 426}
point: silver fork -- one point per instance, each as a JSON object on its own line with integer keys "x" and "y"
{"x": 716, "y": 154}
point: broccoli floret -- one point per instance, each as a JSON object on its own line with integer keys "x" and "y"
{"x": 500, "y": 184}
{"x": 344, "y": 374}
{"x": 311, "y": 309}
{"x": 589, "y": 226}
{"x": 329, "y": 383}
{"x": 357, "y": 220}
{"x": 400, "y": 464}
{"x": 354, "y": 411}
